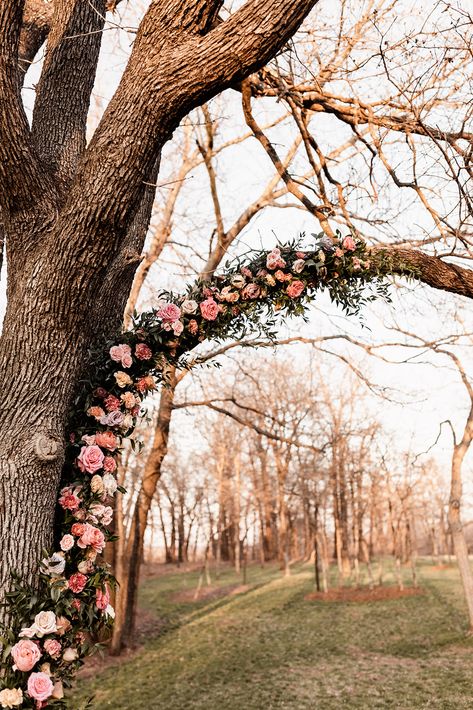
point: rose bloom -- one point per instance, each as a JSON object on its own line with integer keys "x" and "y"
{"x": 53, "y": 648}
{"x": 11, "y": 697}
{"x": 107, "y": 440}
{"x": 270, "y": 280}
{"x": 45, "y": 623}
{"x": 110, "y": 484}
{"x": 86, "y": 566}
{"x": 40, "y": 686}
{"x": 63, "y": 625}
{"x": 70, "y": 654}
{"x": 274, "y": 260}
{"x": 281, "y": 276}
{"x": 123, "y": 379}
{"x": 188, "y": 306}
{"x": 109, "y": 464}
{"x": 66, "y": 543}
{"x": 111, "y": 403}
{"x": 143, "y": 351}
{"x": 121, "y": 353}
{"x": 128, "y": 399}
{"x": 55, "y": 564}
{"x": 90, "y": 458}
{"x": 238, "y": 281}
{"x": 146, "y": 383}
{"x": 104, "y": 513}
{"x": 96, "y": 484}
{"x": 77, "y": 582}
{"x": 102, "y": 599}
{"x": 298, "y": 266}
{"x": 251, "y": 291}
{"x": 91, "y": 537}
{"x": 96, "y": 412}
{"x": 169, "y": 312}
{"x": 68, "y": 500}
{"x": 113, "y": 419}
{"x": 26, "y": 654}
{"x": 177, "y": 327}
{"x": 193, "y": 327}
{"x": 78, "y": 528}
{"x": 295, "y": 289}
{"x": 338, "y": 252}
{"x": 349, "y": 244}
{"x": 209, "y": 309}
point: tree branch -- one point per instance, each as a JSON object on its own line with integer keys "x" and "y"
{"x": 63, "y": 93}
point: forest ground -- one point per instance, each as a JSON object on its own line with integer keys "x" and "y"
{"x": 264, "y": 646}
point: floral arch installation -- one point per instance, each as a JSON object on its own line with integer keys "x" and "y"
{"x": 54, "y": 624}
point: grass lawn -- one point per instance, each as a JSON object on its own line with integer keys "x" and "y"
{"x": 267, "y": 647}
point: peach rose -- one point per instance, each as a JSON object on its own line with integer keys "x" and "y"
{"x": 26, "y": 655}
{"x": 40, "y": 686}
{"x": 91, "y": 537}
{"x": 107, "y": 440}
{"x": 123, "y": 379}
{"x": 295, "y": 289}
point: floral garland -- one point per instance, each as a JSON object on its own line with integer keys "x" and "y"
{"x": 56, "y": 624}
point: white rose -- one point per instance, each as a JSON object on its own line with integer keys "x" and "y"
{"x": 321, "y": 256}
{"x": 11, "y": 697}
{"x": 96, "y": 484}
{"x": 45, "y": 623}
{"x": 28, "y": 632}
{"x": 55, "y": 564}
{"x": 70, "y": 654}
{"x": 298, "y": 266}
{"x": 238, "y": 281}
{"x": 189, "y": 306}
{"x": 109, "y": 483}
{"x": 110, "y": 611}
{"x": 127, "y": 422}
{"x": 85, "y": 567}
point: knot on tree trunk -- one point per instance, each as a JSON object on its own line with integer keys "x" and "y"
{"x": 47, "y": 447}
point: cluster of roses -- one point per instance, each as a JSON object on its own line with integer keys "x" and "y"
{"x": 72, "y": 604}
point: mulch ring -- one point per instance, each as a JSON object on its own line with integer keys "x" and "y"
{"x": 377, "y": 594}
{"x": 208, "y": 593}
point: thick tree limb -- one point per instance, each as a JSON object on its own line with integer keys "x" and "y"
{"x": 63, "y": 93}
{"x": 37, "y": 18}
{"x": 431, "y": 270}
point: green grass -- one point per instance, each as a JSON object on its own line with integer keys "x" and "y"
{"x": 269, "y": 648}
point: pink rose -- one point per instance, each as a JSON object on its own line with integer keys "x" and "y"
{"x": 25, "y": 655}
{"x": 40, "y": 686}
{"x": 301, "y": 255}
{"x": 69, "y": 500}
{"x": 78, "y": 529}
{"x": 143, "y": 352}
{"x": 53, "y": 648}
{"x": 251, "y": 291}
{"x": 109, "y": 464}
{"x": 67, "y": 543}
{"x": 209, "y": 309}
{"x": 90, "y": 458}
{"x": 274, "y": 260}
{"x": 112, "y": 403}
{"x": 169, "y": 312}
{"x": 128, "y": 399}
{"x": 77, "y": 582}
{"x": 107, "y": 440}
{"x": 91, "y": 537}
{"x": 102, "y": 599}
{"x": 295, "y": 289}
{"x": 349, "y": 244}
{"x": 121, "y": 353}
{"x": 338, "y": 252}
{"x": 89, "y": 440}
{"x": 177, "y": 327}
{"x": 281, "y": 276}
